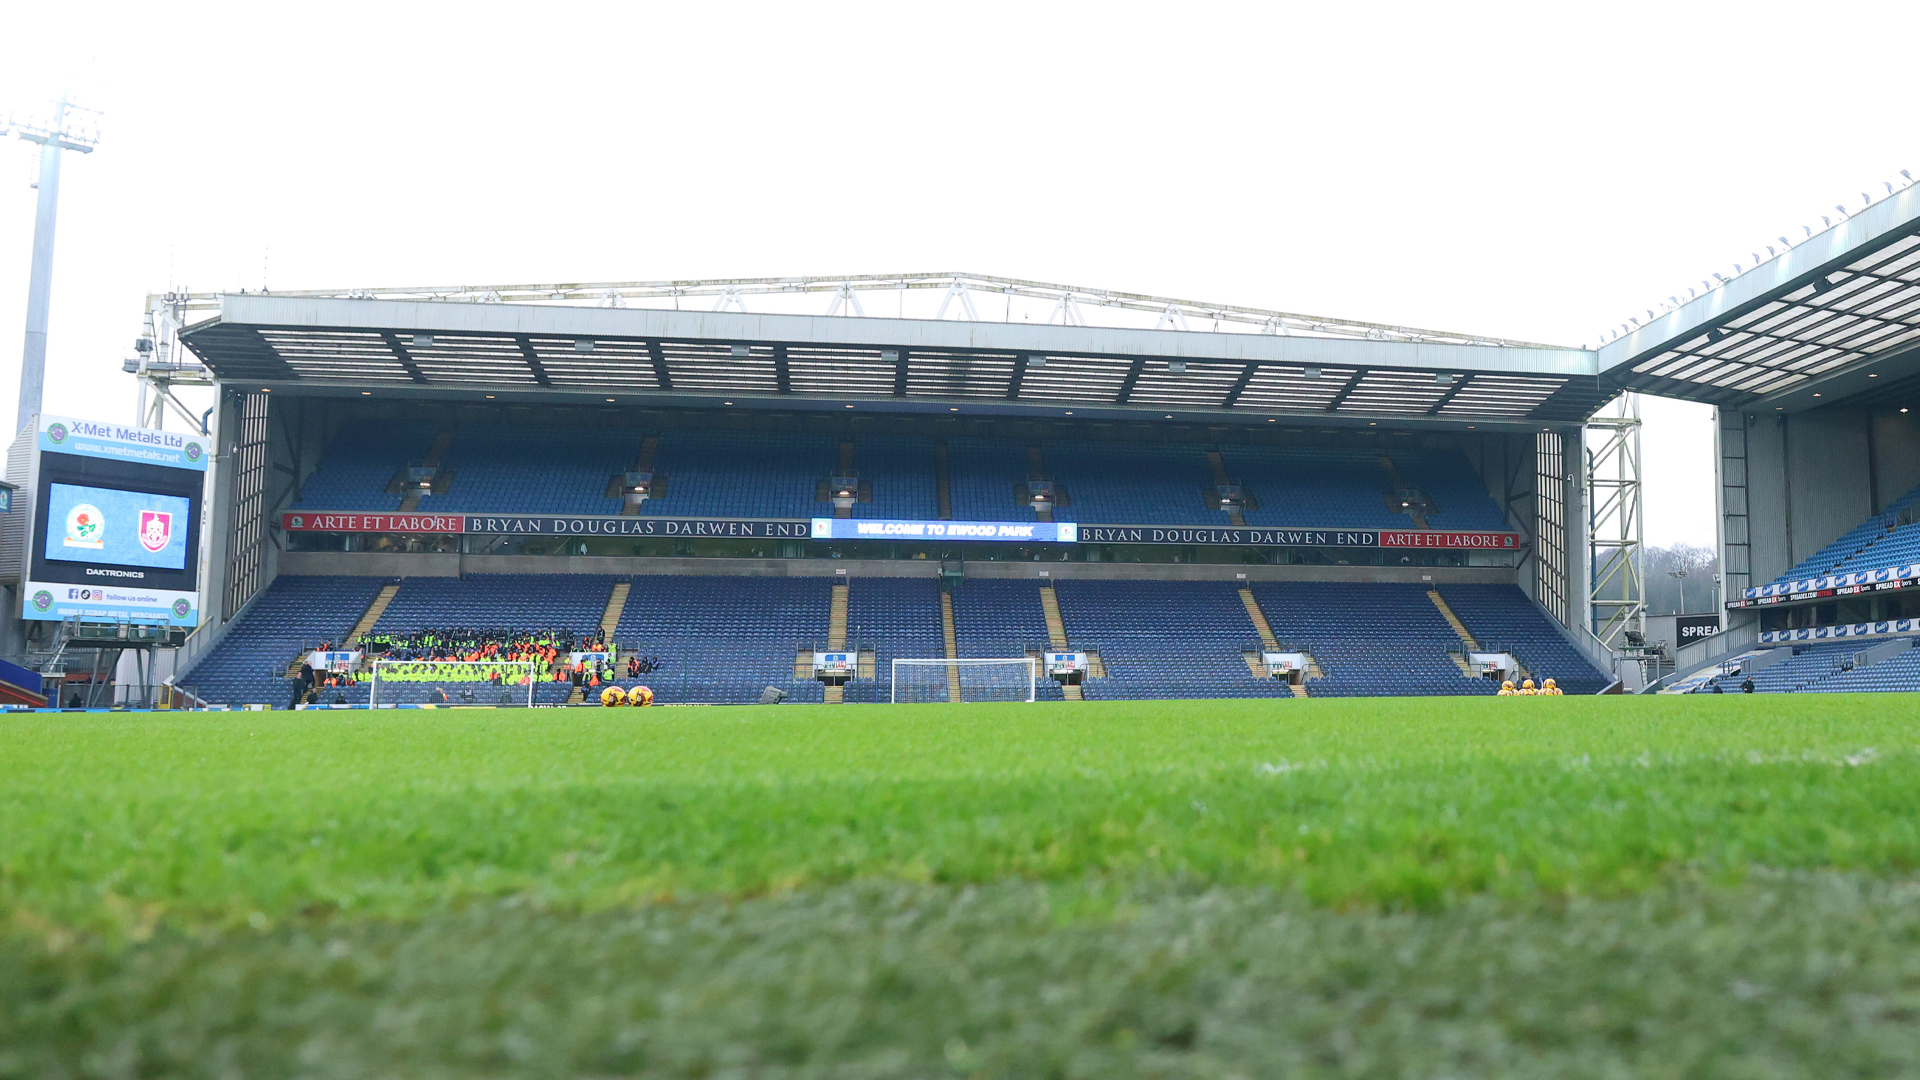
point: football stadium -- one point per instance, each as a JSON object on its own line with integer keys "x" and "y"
{"x": 951, "y": 595}
{"x": 652, "y": 483}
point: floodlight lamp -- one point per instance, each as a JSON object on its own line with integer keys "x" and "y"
{"x": 1036, "y": 360}
{"x": 739, "y": 350}
{"x": 1310, "y": 373}
{"x": 1442, "y": 379}
{"x": 1177, "y": 367}
{"x": 423, "y": 341}
{"x": 583, "y": 345}
{"x": 890, "y": 356}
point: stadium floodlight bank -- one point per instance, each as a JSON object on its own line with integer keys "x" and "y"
{"x": 452, "y": 682}
{"x": 1003, "y": 679}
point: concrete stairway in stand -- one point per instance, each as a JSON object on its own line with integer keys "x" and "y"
{"x": 616, "y": 606}
{"x": 643, "y": 463}
{"x": 1460, "y": 628}
{"x": 1057, "y": 637}
{"x": 374, "y": 611}
{"x": 837, "y": 635}
{"x": 411, "y": 500}
{"x": 1234, "y": 514}
{"x": 1257, "y": 664}
{"x": 951, "y": 642}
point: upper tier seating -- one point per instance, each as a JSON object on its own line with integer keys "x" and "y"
{"x": 1164, "y": 639}
{"x": 248, "y": 666}
{"x": 1132, "y": 483}
{"x": 533, "y": 470}
{"x": 1303, "y": 486}
{"x": 901, "y": 471}
{"x": 1369, "y": 640}
{"x": 557, "y": 470}
{"x": 724, "y": 639}
{"x": 897, "y": 618}
{"x": 1503, "y": 615}
{"x": 1460, "y": 500}
{"x": 982, "y": 475}
{"x": 732, "y": 474}
{"x": 359, "y": 464}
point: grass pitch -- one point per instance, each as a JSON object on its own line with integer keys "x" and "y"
{"x": 1612, "y": 886}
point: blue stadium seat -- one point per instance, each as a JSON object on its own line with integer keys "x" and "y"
{"x": 1164, "y": 639}
{"x": 724, "y": 639}
{"x": 248, "y": 666}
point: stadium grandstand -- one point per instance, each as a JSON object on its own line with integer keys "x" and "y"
{"x": 1140, "y": 497}
{"x": 1308, "y": 507}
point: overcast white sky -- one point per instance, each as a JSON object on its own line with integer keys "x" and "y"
{"x": 1532, "y": 171}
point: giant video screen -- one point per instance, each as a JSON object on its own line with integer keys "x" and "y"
{"x": 115, "y": 527}
{"x": 117, "y": 524}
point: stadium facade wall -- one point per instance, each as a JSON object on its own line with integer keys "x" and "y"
{"x": 402, "y": 564}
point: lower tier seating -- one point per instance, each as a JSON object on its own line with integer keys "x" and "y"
{"x": 725, "y": 639}
{"x": 249, "y": 665}
{"x": 1369, "y": 640}
{"x": 1164, "y": 639}
{"x": 1502, "y": 615}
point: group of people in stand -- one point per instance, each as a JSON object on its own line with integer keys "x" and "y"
{"x": 1527, "y": 689}
{"x": 539, "y": 647}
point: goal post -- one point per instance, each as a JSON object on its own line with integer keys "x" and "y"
{"x": 453, "y": 682}
{"x": 1001, "y": 679}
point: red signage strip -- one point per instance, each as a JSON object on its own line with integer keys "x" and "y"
{"x": 1414, "y": 538}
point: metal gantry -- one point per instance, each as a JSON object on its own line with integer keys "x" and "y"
{"x": 1617, "y": 596}
{"x": 963, "y": 297}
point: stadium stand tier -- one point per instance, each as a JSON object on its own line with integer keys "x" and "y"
{"x": 725, "y": 639}
{"x": 1369, "y": 640}
{"x": 1164, "y": 639}
{"x": 898, "y": 618}
{"x": 249, "y": 665}
{"x": 1503, "y": 616}
{"x": 547, "y": 469}
{"x": 1879, "y": 542}
{"x": 998, "y": 619}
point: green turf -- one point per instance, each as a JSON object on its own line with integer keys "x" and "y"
{"x": 1008, "y": 890}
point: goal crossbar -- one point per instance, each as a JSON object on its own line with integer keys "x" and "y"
{"x": 453, "y": 682}
{"x": 1010, "y": 678}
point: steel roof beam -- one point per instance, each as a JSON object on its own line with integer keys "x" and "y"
{"x": 533, "y": 361}
{"x": 1133, "y": 377}
{"x": 1340, "y": 397}
{"x": 1882, "y": 223}
{"x": 405, "y": 358}
{"x": 660, "y": 372}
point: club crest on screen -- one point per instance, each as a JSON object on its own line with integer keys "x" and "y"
{"x": 86, "y": 527}
{"x": 156, "y": 529}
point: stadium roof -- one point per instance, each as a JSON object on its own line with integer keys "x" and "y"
{"x": 1832, "y": 320}
{"x": 480, "y": 342}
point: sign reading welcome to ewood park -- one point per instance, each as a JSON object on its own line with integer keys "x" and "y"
{"x": 1043, "y": 532}
{"x": 115, "y": 531}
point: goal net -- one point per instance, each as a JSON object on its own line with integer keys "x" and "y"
{"x": 452, "y": 682}
{"x": 963, "y": 680}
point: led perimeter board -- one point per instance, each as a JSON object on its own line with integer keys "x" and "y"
{"x": 115, "y": 532}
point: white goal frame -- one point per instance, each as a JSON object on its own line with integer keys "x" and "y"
{"x": 955, "y": 666}
{"x": 451, "y": 666}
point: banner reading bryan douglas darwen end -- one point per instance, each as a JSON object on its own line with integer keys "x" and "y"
{"x": 870, "y": 529}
